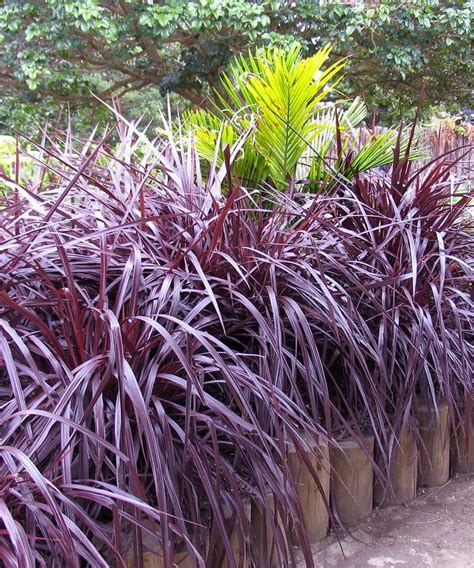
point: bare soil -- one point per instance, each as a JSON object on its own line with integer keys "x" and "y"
{"x": 434, "y": 531}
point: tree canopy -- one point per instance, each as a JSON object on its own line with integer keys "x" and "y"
{"x": 60, "y": 51}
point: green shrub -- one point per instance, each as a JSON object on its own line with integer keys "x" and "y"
{"x": 277, "y": 106}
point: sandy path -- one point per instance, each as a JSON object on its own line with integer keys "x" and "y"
{"x": 434, "y": 531}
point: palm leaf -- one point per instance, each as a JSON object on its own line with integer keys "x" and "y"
{"x": 315, "y": 162}
{"x": 277, "y": 96}
{"x": 283, "y": 90}
{"x": 377, "y": 151}
{"x": 208, "y": 129}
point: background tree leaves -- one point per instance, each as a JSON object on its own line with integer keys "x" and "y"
{"x": 56, "y": 52}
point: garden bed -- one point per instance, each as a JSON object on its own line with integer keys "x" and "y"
{"x": 190, "y": 326}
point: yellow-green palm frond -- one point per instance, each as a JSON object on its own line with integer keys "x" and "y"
{"x": 208, "y": 130}
{"x": 316, "y": 160}
{"x": 377, "y": 150}
{"x": 211, "y": 131}
{"x": 283, "y": 90}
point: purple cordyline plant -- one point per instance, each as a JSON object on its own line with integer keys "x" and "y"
{"x": 411, "y": 236}
{"x": 166, "y": 334}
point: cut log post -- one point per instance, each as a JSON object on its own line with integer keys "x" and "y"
{"x": 239, "y": 553}
{"x": 315, "y": 513}
{"x": 464, "y": 460}
{"x": 268, "y": 552}
{"x": 352, "y": 480}
{"x": 155, "y": 560}
{"x": 434, "y": 448}
{"x": 153, "y": 557}
{"x": 403, "y": 473}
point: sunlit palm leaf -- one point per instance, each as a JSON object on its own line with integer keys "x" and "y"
{"x": 377, "y": 151}
{"x": 315, "y": 164}
{"x": 209, "y": 129}
{"x": 279, "y": 98}
{"x": 286, "y": 92}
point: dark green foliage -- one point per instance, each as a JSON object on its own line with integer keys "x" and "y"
{"x": 55, "y": 53}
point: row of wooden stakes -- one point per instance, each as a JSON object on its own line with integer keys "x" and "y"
{"x": 346, "y": 476}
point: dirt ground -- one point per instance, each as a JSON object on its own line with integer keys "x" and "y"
{"x": 434, "y": 531}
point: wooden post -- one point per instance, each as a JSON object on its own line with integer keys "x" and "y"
{"x": 239, "y": 554}
{"x": 315, "y": 513}
{"x": 153, "y": 560}
{"x": 434, "y": 449}
{"x": 154, "y": 557}
{"x": 403, "y": 473}
{"x": 352, "y": 480}
{"x": 270, "y": 556}
{"x": 464, "y": 461}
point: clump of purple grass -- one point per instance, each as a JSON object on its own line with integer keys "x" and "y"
{"x": 166, "y": 335}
